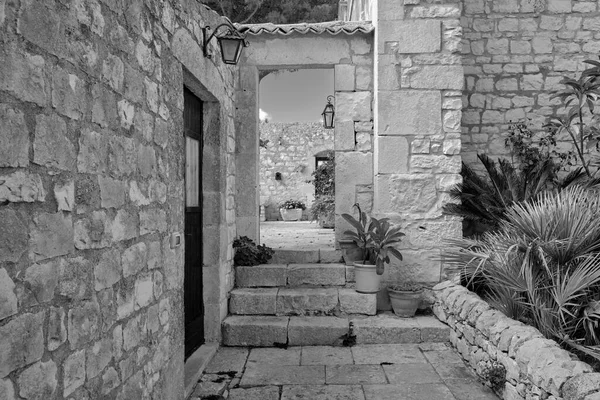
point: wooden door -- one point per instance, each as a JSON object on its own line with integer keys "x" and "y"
{"x": 193, "y": 296}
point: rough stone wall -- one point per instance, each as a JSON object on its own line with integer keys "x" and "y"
{"x": 418, "y": 133}
{"x": 515, "y": 53}
{"x": 291, "y": 151}
{"x": 536, "y": 368}
{"x": 92, "y": 185}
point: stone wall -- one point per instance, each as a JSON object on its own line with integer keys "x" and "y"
{"x": 515, "y": 53}
{"x": 291, "y": 151}
{"x": 419, "y": 82}
{"x": 92, "y": 186}
{"x": 536, "y": 368}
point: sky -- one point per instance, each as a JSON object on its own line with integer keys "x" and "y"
{"x": 298, "y": 96}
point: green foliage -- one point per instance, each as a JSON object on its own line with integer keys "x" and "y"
{"x": 324, "y": 177}
{"x": 292, "y": 204}
{"x": 322, "y": 207}
{"x": 406, "y": 287}
{"x": 375, "y": 237}
{"x": 542, "y": 266}
{"x": 275, "y": 11}
{"x": 495, "y": 374}
{"x": 248, "y": 254}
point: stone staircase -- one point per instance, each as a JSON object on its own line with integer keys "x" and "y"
{"x": 306, "y": 299}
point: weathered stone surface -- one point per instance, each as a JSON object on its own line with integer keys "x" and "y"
{"x": 14, "y": 137}
{"x": 112, "y": 192}
{"x": 353, "y": 106}
{"x": 38, "y": 381}
{"x": 23, "y": 75}
{"x": 110, "y": 380}
{"x": 287, "y": 256}
{"x": 7, "y": 390}
{"x": 326, "y": 355}
{"x": 410, "y": 112}
{"x": 316, "y": 331}
{"x": 144, "y": 289}
{"x": 153, "y": 221}
{"x": 393, "y": 155}
{"x": 253, "y": 301}
{"x": 73, "y": 372}
{"x": 124, "y": 226}
{"x": 385, "y": 328}
{"x": 69, "y": 94}
{"x": 64, "y": 193}
{"x": 254, "y": 331}
{"x": 438, "y": 77}
{"x": 134, "y": 259}
{"x": 257, "y": 393}
{"x": 13, "y": 236}
{"x": 8, "y": 299}
{"x": 274, "y": 356}
{"x": 21, "y": 187}
{"x": 126, "y": 112}
{"x": 264, "y": 374}
{"x": 22, "y": 342}
{"x": 344, "y": 135}
{"x": 580, "y": 385}
{"x": 408, "y": 193}
{"x": 57, "y": 331}
{"x": 108, "y": 270}
{"x": 306, "y": 301}
{"x": 104, "y": 106}
{"x": 355, "y": 374}
{"x": 83, "y": 324}
{"x": 345, "y": 77}
{"x": 122, "y": 155}
{"x": 440, "y": 164}
{"x": 261, "y": 275}
{"x": 146, "y": 160}
{"x": 93, "y": 152}
{"x": 352, "y": 302}
{"x": 322, "y": 392}
{"x": 316, "y": 274}
{"x": 113, "y": 72}
{"x": 42, "y": 280}
{"x": 51, "y": 148}
{"x": 411, "y": 36}
{"x": 97, "y": 357}
{"x": 51, "y": 235}
{"x": 228, "y": 359}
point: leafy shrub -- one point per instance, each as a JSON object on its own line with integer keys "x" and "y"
{"x": 248, "y": 254}
{"x": 292, "y": 204}
{"x": 324, "y": 177}
{"x": 323, "y": 206}
{"x": 542, "y": 266}
{"x": 495, "y": 374}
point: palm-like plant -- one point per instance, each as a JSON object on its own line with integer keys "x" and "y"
{"x": 375, "y": 237}
{"x": 543, "y": 266}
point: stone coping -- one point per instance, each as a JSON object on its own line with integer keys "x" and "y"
{"x": 536, "y": 367}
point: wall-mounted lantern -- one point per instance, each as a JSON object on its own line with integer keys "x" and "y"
{"x": 231, "y": 42}
{"x": 277, "y": 176}
{"x": 328, "y": 114}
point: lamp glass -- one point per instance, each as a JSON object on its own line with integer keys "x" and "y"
{"x": 328, "y": 115}
{"x": 231, "y": 49}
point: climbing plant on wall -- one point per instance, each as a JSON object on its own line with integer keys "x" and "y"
{"x": 275, "y": 11}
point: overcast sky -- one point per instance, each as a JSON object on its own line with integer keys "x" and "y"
{"x": 298, "y": 96}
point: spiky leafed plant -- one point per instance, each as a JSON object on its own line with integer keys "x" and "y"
{"x": 543, "y": 265}
{"x": 484, "y": 198}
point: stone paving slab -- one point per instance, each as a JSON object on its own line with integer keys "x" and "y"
{"x": 412, "y": 373}
{"x": 228, "y": 359}
{"x": 262, "y": 375}
{"x": 387, "y": 353}
{"x": 257, "y": 393}
{"x": 316, "y": 331}
{"x": 470, "y": 389}
{"x": 354, "y": 374}
{"x": 326, "y": 355}
{"x": 408, "y": 392}
{"x": 323, "y": 392}
{"x": 274, "y": 356}
{"x": 386, "y": 328}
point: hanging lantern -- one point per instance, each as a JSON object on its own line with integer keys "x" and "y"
{"x": 328, "y": 114}
{"x": 231, "y": 43}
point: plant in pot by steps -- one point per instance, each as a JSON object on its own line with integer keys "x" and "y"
{"x": 291, "y": 210}
{"x": 248, "y": 254}
{"x": 376, "y": 238}
{"x": 405, "y": 298}
{"x": 323, "y": 211}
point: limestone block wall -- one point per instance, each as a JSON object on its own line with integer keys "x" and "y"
{"x": 515, "y": 54}
{"x": 91, "y": 187}
{"x": 536, "y": 368}
{"x": 290, "y": 151}
{"x": 419, "y": 82}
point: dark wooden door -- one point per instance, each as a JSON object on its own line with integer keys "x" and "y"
{"x": 193, "y": 298}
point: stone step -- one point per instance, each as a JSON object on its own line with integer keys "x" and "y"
{"x": 301, "y": 301}
{"x": 386, "y": 328}
{"x": 302, "y": 256}
{"x": 292, "y": 275}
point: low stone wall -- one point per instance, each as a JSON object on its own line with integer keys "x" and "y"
{"x": 536, "y": 367}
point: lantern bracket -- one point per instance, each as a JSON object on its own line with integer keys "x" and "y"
{"x": 328, "y": 113}
{"x": 232, "y": 32}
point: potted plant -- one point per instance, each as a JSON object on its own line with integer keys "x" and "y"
{"x": 291, "y": 210}
{"x": 323, "y": 211}
{"x": 375, "y": 237}
{"x": 405, "y": 298}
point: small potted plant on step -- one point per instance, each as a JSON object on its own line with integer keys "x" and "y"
{"x": 376, "y": 238}
{"x": 291, "y": 210}
{"x": 405, "y": 298}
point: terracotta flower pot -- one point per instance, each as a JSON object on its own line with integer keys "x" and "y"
{"x": 367, "y": 280}
{"x": 405, "y": 302}
{"x": 291, "y": 214}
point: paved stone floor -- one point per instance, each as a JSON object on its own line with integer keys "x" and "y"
{"x": 428, "y": 371}
{"x": 296, "y": 235}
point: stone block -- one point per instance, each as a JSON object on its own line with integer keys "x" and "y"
{"x": 364, "y": 77}
{"x": 303, "y": 301}
{"x": 8, "y": 299}
{"x": 353, "y": 106}
{"x": 7, "y": 390}
{"x": 57, "y": 330}
{"x": 286, "y": 256}
{"x": 264, "y": 374}
{"x": 408, "y": 193}
{"x": 390, "y": 11}
{"x": 146, "y": 160}
{"x": 97, "y": 357}
{"x": 228, "y": 359}
{"x": 51, "y": 235}
{"x": 24, "y": 75}
{"x": 42, "y": 280}
{"x": 352, "y": 302}
{"x": 113, "y": 72}
{"x": 22, "y": 342}
{"x": 51, "y": 147}
{"x": 316, "y": 331}
{"x": 393, "y": 155}
{"x": 73, "y": 372}
{"x": 84, "y": 323}
{"x": 344, "y": 135}
{"x": 144, "y": 289}
{"x": 410, "y": 112}
{"x": 151, "y": 95}
{"x": 126, "y": 112}
{"x": 433, "y": 331}
{"x": 438, "y": 164}
{"x": 411, "y": 36}
{"x": 93, "y": 152}
{"x": 112, "y": 192}
{"x": 104, "y": 107}
{"x": 254, "y": 331}
{"x": 355, "y": 374}
{"x": 14, "y": 137}
{"x": 581, "y": 385}
{"x": 386, "y": 329}
{"x": 437, "y": 77}
{"x": 256, "y": 393}
{"x": 344, "y": 78}
{"x": 38, "y": 381}
{"x": 253, "y": 301}
{"x": 153, "y": 221}
{"x": 316, "y": 275}
{"x": 261, "y": 275}
{"x": 560, "y": 6}
{"x": 330, "y": 256}
{"x": 69, "y": 94}
{"x": 108, "y": 270}
{"x": 21, "y": 187}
